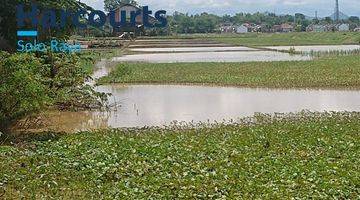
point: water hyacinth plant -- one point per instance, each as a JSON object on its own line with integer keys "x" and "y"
{"x": 306, "y": 155}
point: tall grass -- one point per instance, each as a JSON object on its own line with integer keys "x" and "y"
{"x": 336, "y": 53}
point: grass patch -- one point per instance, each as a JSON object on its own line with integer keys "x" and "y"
{"x": 308, "y": 155}
{"x": 289, "y": 39}
{"x": 277, "y": 39}
{"x": 338, "y": 71}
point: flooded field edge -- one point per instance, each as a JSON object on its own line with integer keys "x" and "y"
{"x": 221, "y": 85}
{"x": 138, "y": 103}
{"x": 162, "y": 105}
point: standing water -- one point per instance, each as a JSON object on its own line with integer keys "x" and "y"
{"x": 222, "y": 56}
{"x": 157, "y": 105}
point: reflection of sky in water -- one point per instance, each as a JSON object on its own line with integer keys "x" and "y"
{"x": 148, "y": 105}
{"x": 231, "y": 56}
{"x": 193, "y": 49}
{"x": 156, "y": 105}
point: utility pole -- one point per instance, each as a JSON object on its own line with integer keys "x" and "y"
{"x": 337, "y": 11}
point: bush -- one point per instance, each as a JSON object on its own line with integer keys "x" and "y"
{"x": 23, "y": 89}
{"x": 67, "y": 74}
{"x": 29, "y": 83}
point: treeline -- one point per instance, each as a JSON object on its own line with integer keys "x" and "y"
{"x": 209, "y": 23}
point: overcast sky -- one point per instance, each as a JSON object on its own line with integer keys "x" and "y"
{"x": 221, "y": 7}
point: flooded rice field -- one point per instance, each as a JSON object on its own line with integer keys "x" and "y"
{"x": 222, "y": 56}
{"x": 172, "y": 45}
{"x": 157, "y": 105}
{"x": 176, "y": 43}
{"x": 318, "y": 48}
{"x": 172, "y": 51}
{"x": 193, "y": 49}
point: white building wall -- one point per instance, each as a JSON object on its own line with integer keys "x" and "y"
{"x": 344, "y": 27}
{"x": 242, "y": 29}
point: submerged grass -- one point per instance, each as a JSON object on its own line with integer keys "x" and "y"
{"x": 329, "y": 72}
{"x": 307, "y": 155}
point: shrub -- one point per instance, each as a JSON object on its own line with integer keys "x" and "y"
{"x": 292, "y": 50}
{"x": 29, "y": 84}
{"x": 23, "y": 89}
{"x": 67, "y": 74}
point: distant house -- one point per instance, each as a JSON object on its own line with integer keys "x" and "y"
{"x": 343, "y": 27}
{"x": 276, "y": 28}
{"x": 283, "y": 28}
{"x": 316, "y": 28}
{"x": 287, "y": 28}
{"x": 242, "y": 29}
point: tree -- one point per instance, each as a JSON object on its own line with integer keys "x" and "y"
{"x": 328, "y": 20}
{"x": 207, "y": 23}
{"x": 22, "y": 88}
{"x": 112, "y": 4}
{"x": 354, "y": 19}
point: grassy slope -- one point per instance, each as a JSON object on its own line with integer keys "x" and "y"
{"x": 277, "y": 39}
{"x": 326, "y": 72}
{"x": 304, "y": 156}
{"x": 292, "y": 39}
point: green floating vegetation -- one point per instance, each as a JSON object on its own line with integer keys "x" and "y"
{"x": 325, "y": 72}
{"x": 306, "y": 155}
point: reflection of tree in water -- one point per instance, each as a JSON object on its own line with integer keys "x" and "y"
{"x": 96, "y": 120}
{"x": 71, "y": 121}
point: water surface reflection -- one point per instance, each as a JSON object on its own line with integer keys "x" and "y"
{"x": 156, "y": 105}
{"x": 230, "y": 56}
